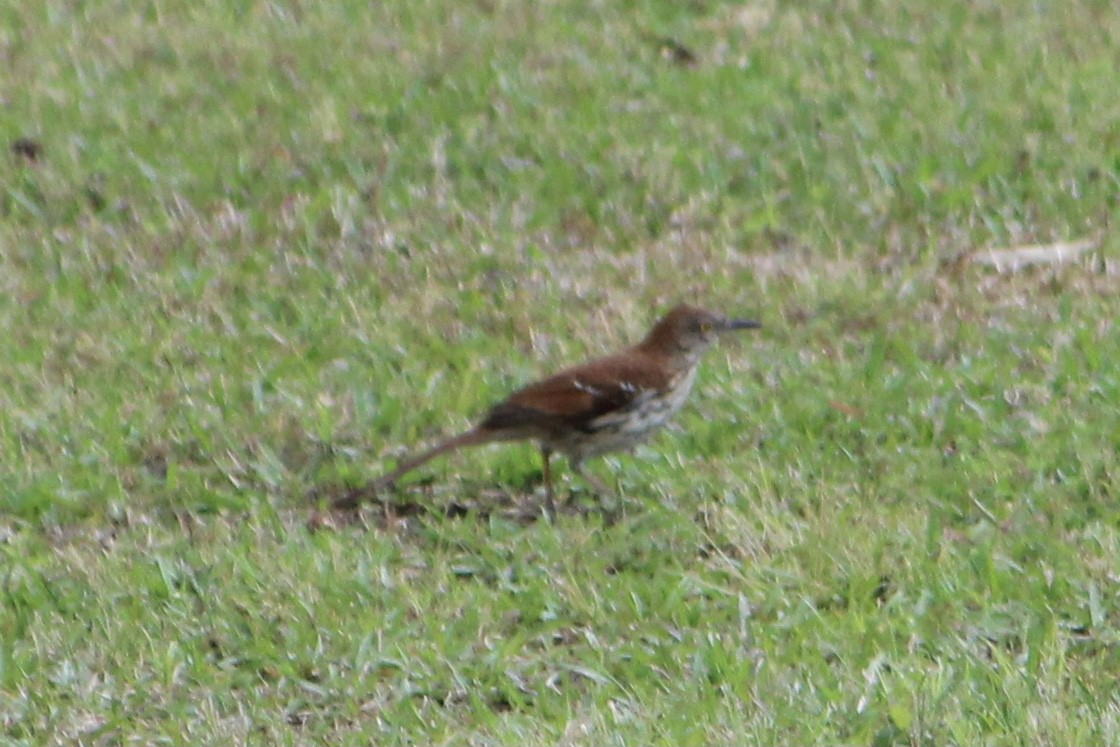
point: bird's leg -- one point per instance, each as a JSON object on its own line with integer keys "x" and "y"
{"x": 601, "y": 490}
{"x": 549, "y": 501}
{"x": 598, "y": 485}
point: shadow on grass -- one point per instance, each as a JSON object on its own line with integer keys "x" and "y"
{"x": 387, "y": 506}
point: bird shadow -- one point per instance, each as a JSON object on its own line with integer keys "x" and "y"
{"x": 389, "y": 507}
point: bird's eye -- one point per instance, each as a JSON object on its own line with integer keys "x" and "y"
{"x": 705, "y": 326}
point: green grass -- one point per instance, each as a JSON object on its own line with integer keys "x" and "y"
{"x": 267, "y": 248}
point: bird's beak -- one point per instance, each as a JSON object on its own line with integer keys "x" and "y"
{"x": 742, "y": 324}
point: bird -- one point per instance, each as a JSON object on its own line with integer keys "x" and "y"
{"x": 607, "y": 404}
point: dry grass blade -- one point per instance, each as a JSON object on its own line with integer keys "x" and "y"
{"x": 1020, "y": 257}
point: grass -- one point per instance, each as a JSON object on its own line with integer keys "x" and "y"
{"x": 253, "y": 251}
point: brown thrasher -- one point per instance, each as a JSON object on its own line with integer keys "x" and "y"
{"x": 608, "y": 404}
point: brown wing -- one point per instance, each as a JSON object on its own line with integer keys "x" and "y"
{"x": 577, "y": 396}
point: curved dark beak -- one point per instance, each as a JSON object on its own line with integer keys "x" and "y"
{"x": 742, "y": 324}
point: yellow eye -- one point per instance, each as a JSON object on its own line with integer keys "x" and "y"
{"x": 705, "y": 326}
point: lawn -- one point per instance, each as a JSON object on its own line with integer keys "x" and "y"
{"x": 253, "y": 253}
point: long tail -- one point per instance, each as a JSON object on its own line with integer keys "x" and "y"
{"x": 470, "y": 438}
{"x": 353, "y": 498}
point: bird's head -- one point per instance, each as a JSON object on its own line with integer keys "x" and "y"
{"x": 689, "y": 330}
